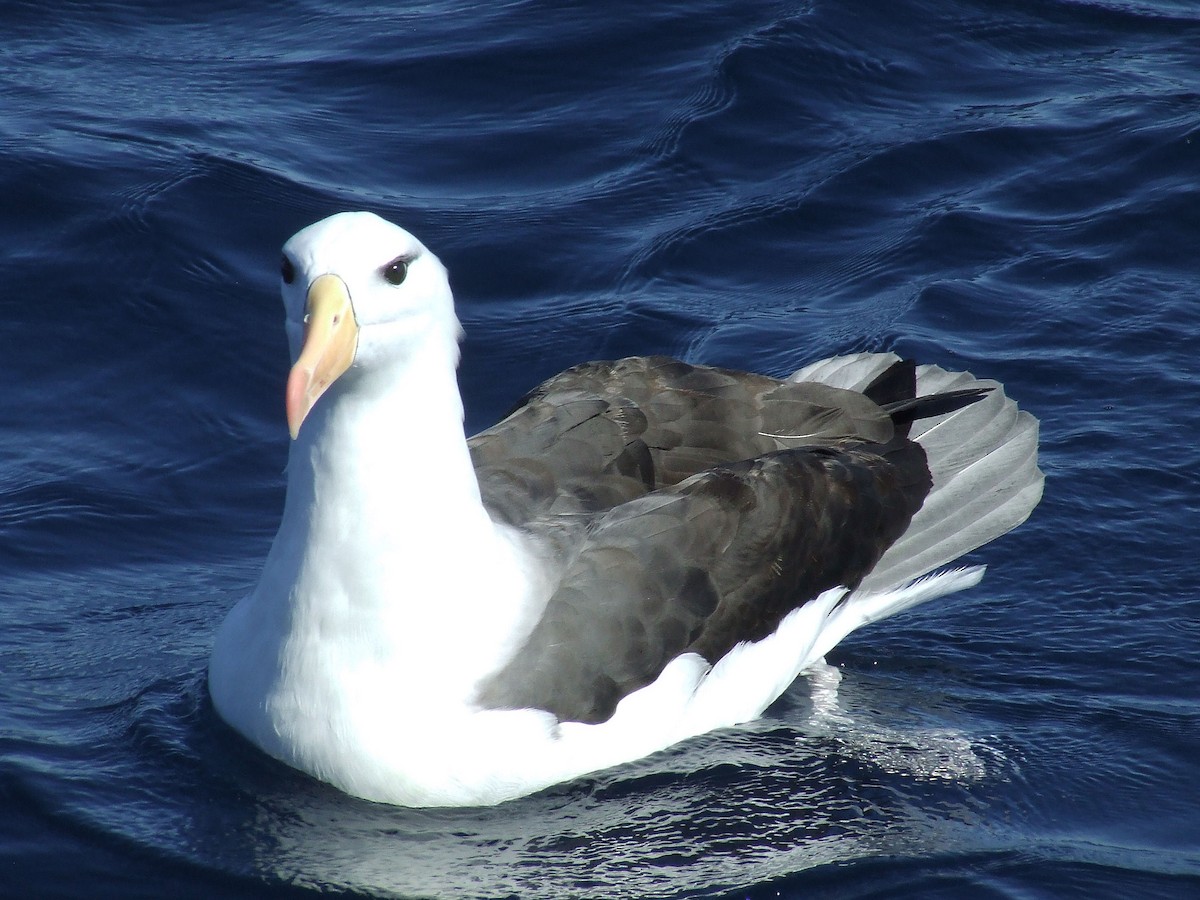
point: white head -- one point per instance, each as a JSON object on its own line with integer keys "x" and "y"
{"x": 361, "y": 293}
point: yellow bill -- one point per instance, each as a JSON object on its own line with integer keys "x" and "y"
{"x": 330, "y": 342}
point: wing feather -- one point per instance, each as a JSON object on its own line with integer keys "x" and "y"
{"x": 718, "y": 559}
{"x": 604, "y": 433}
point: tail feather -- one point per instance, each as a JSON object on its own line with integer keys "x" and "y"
{"x": 863, "y": 607}
{"x": 982, "y": 456}
{"x": 854, "y": 372}
{"x": 983, "y": 459}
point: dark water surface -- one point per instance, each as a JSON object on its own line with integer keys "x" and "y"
{"x": 1007, "y": 187}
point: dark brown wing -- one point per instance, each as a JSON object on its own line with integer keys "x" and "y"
{"x": 692, "y": 508}
{"x": 604, "y": 433}
{"x": 703, "y": 565}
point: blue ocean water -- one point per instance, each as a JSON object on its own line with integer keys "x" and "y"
{"x": 1008, "y": 187}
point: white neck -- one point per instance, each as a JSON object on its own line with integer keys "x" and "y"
{"x": 390, "y": 446}
{"x": 384, "y": 501}
{"x": 388, "y": 587}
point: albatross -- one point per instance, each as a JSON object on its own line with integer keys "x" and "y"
{"x": 644, "y": 550}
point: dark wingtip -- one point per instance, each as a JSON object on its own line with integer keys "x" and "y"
{"x": 895, "y": 384}
{"x": 905, "y": 412}
{"x": 895, "y": 389}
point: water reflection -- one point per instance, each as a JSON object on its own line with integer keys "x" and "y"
{"x": 813, "y": 783}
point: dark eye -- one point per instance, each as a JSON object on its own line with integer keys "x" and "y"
{"x": 287, "y": 271}
{"x": 396, "y": 271}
